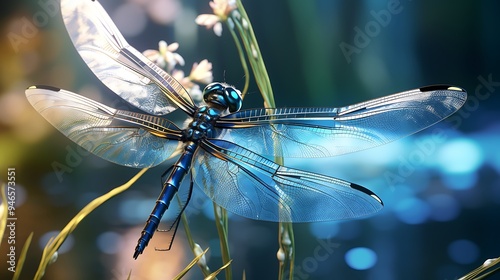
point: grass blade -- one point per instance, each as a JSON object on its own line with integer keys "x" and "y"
{"x": 56, "y": 242}
{"x": 22, "y": 257}
{"x": 190, "y": 265}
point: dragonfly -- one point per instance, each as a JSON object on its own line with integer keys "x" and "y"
{"x": 224, "y": 150}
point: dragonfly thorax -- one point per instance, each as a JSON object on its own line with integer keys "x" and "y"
{"x": 220, "y": 98}
{"x": 202, "y": 124}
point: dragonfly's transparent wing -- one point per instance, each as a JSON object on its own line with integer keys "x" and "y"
{"x": 122, "y": 137}
{"x": 321, "y": 132}
{"x": 251, "y": 186}
{"x": 118, "y": 65}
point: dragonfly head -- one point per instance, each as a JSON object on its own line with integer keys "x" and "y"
{"x": 223, "y": 96}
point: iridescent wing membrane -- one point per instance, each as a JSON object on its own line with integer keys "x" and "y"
{"x": 254, "y": 187}
{"x": 126, "y": 138}
{"x": 119, "y": 66}
{"x": 225, "y": 169}
{"x": 325, "y": 132}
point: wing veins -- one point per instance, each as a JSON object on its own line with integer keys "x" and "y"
{"x": 283, "y": 188}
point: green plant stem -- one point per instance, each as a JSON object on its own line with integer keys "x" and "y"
{"x": 22, "y": 257}
{"x": 484, "y": 271}
{"x": 204, "y": 268}
{"x": 213, "y": 275}
{"x": 190, "y": 265}
{"x": 245, "y": 31}
{"x": 243, "y": 61}
{"x": 286, "y": 242}
{"x": 221, "y": 222}
{"x": 3, "y": 209}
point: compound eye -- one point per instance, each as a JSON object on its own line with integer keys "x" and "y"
{"x": 217, "y": 87}
{"x": 213, "y": 86}
{"x": 233, "y": 98}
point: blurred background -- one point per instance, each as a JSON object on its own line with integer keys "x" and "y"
{"x": 441, "y": 187}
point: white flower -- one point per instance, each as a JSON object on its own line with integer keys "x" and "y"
{"x": 181, "y": 78}
{"x": 165, "y": 56}
{"x": 221, "y": 10}
{"x": 210, "y": 21}
{"x": 196, "y": 93}
{"x": 202, "y": 72}
{"x": 192, "y": 88}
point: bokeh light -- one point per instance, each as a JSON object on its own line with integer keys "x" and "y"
{"x": 460, "y": 155}
{"x": 133, "y": 210}
{"x": 361, "y": 258}
{"x": 443, "y": 207}
{"x": 164, "y": 11}
{"x": 459, "y": 181}
{"x": 412, "y": 210}
{"x": 463, "y": 251}
{"x": 65, "y": 247}
{"x": 109, "y": 242}
{"x": 324, "y": 230}
{"x": 130, "y": 18}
